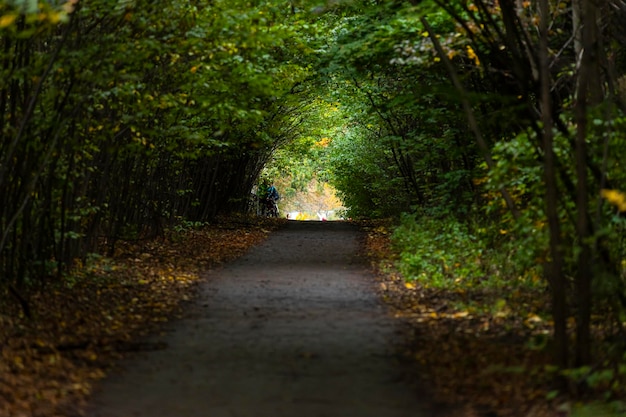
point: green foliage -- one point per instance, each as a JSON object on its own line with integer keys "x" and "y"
{"x": 518, "y": 169}
{"x": 597, "y": 409}
{"x": 119, "y": 118}
{"x": 438, "y": 252}
{"x": 366, "y": 177}
{"x": 606, "y": 379}
{"x": 403, "y": 144}
{"x": 122, "y": 118}
{"x": 447, "y": 253}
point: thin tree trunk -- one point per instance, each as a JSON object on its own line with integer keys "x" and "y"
{"x": 554, "y": 269}
{"x": 471, "y": 119}
{"x": 588, "y": 80}
{"x": 576, "y": 26}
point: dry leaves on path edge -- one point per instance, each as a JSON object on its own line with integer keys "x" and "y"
{"x": 478, "y": 362}
{"x": 48, "y": 364}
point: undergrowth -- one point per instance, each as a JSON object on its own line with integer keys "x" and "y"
{"x": 481, "y": 300}
{"x": 448, "y": 254}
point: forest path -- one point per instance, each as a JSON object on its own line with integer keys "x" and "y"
{"x": 294, "y": 328}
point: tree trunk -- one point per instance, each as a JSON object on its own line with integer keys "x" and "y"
{"x": 554, "y": 269}
{"x": 471, "y": 118}
{"x": 588, "y": 92}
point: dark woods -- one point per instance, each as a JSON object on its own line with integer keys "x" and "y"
{"x": 120, "y": 120}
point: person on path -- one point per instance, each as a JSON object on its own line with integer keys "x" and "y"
{"x": 271, "y": 199}
{"x": 272, "y": 193}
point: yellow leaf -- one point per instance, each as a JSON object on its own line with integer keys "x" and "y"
{"x": 69, "y": 6}
{"x": 533, "y": 318}
{"x": 19, "y": 362}
{"x": 7, "y": 20}
{"x": 615, "y": 197}
{"x": 471, "y": 54}
{"x": 409, "y": 285}
{"x": 500, "y": 304}
{"x": 55, "y": 17}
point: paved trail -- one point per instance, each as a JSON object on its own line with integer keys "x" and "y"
{"x": 292, "y": 329}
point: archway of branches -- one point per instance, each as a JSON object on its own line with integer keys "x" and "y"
{"x": 121, "y": 119}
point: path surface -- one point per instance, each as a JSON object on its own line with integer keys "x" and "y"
{"x": 292, "y": 329}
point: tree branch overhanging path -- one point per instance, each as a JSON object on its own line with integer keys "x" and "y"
{"x": 294, "y": 328}
{"x": 486, "y": 136}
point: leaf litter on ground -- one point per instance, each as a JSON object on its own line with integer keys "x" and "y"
{"x": 492, "y": 361}
{"x": 81, "y": 325}
{"x": 479, "y": 353}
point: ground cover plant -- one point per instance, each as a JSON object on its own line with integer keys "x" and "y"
{"x": 484, "y": 346}
{"x": 496, "y": 129}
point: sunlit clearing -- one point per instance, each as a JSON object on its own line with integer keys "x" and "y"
{"x": 316, "y": 201}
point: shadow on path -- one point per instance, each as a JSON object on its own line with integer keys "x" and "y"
{"x": 292, "y": 329}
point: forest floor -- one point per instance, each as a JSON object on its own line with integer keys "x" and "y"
{"x": 81, "y": 326}
{"x": 294, "y": 328}
{"x": 477, "y": 353}
{"x": 478, "y": 363}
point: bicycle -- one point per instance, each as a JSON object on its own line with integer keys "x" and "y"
{"x": 270, "y": 208}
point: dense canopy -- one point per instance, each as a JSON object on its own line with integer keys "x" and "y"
{"x": 492, "y": 130}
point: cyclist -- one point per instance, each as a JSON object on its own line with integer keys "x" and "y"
{"x": 271, "y": 197}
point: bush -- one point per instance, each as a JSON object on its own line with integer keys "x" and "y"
{"x": 437, "y": 252}
{"x": 445, "y": 252}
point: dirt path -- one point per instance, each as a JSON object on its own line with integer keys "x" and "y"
{"x": 292, "y": 329}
